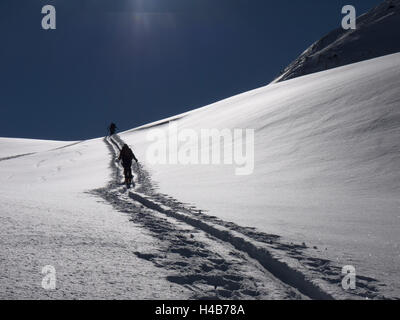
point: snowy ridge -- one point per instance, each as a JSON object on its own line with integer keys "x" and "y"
{"x": 376, "y": 35}
{"x": 312, "y": 277}
{"x": 324, "y": 194}
{"x": 326, "y": 173}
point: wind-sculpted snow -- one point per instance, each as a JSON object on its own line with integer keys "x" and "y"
{"x": 186, "y": 232}
{"x": 326, "y": 169}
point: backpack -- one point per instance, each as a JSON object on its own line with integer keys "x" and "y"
{"x": 127, "y": 155}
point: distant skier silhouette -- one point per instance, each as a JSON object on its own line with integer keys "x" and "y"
{"x": 112, "y": 128}
{"x": 126, "y": 156}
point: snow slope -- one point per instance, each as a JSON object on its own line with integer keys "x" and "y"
{"x": 324, "y": 194}
{"x": 48, "y": 218}
{"x": 327, "y": 160}
{"x": 11, "y": 147}
{"x": 65, "y": 207}
{"x": 377, "y": 34}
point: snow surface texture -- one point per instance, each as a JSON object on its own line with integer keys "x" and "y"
{"x": 47, "y": 218}
{"x": 218, "y": 259}
{"x": 324, "y": 194}
{"x": 377, "y": 34}
{"x": 12, "y": 148}
{"x": 326, "y": 167}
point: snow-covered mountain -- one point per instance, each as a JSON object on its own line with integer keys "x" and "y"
{"x": 324, "y": 194}
{"x": 377, "y": 34}
{"x": 327, "y": 159}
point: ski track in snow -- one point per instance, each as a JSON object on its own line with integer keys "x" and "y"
{"x": 31, "y": 153}
{"x": 16, "y": 156}
{"x": 216, "y": 259}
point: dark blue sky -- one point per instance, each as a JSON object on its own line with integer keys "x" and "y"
{"x": 137, "y": 61}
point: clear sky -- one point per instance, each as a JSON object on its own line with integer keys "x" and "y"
{"x": 138, "y": 61}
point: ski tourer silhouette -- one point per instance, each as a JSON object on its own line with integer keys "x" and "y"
{"x": 112, "y": 128}
{"x": 126, "y": 156}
